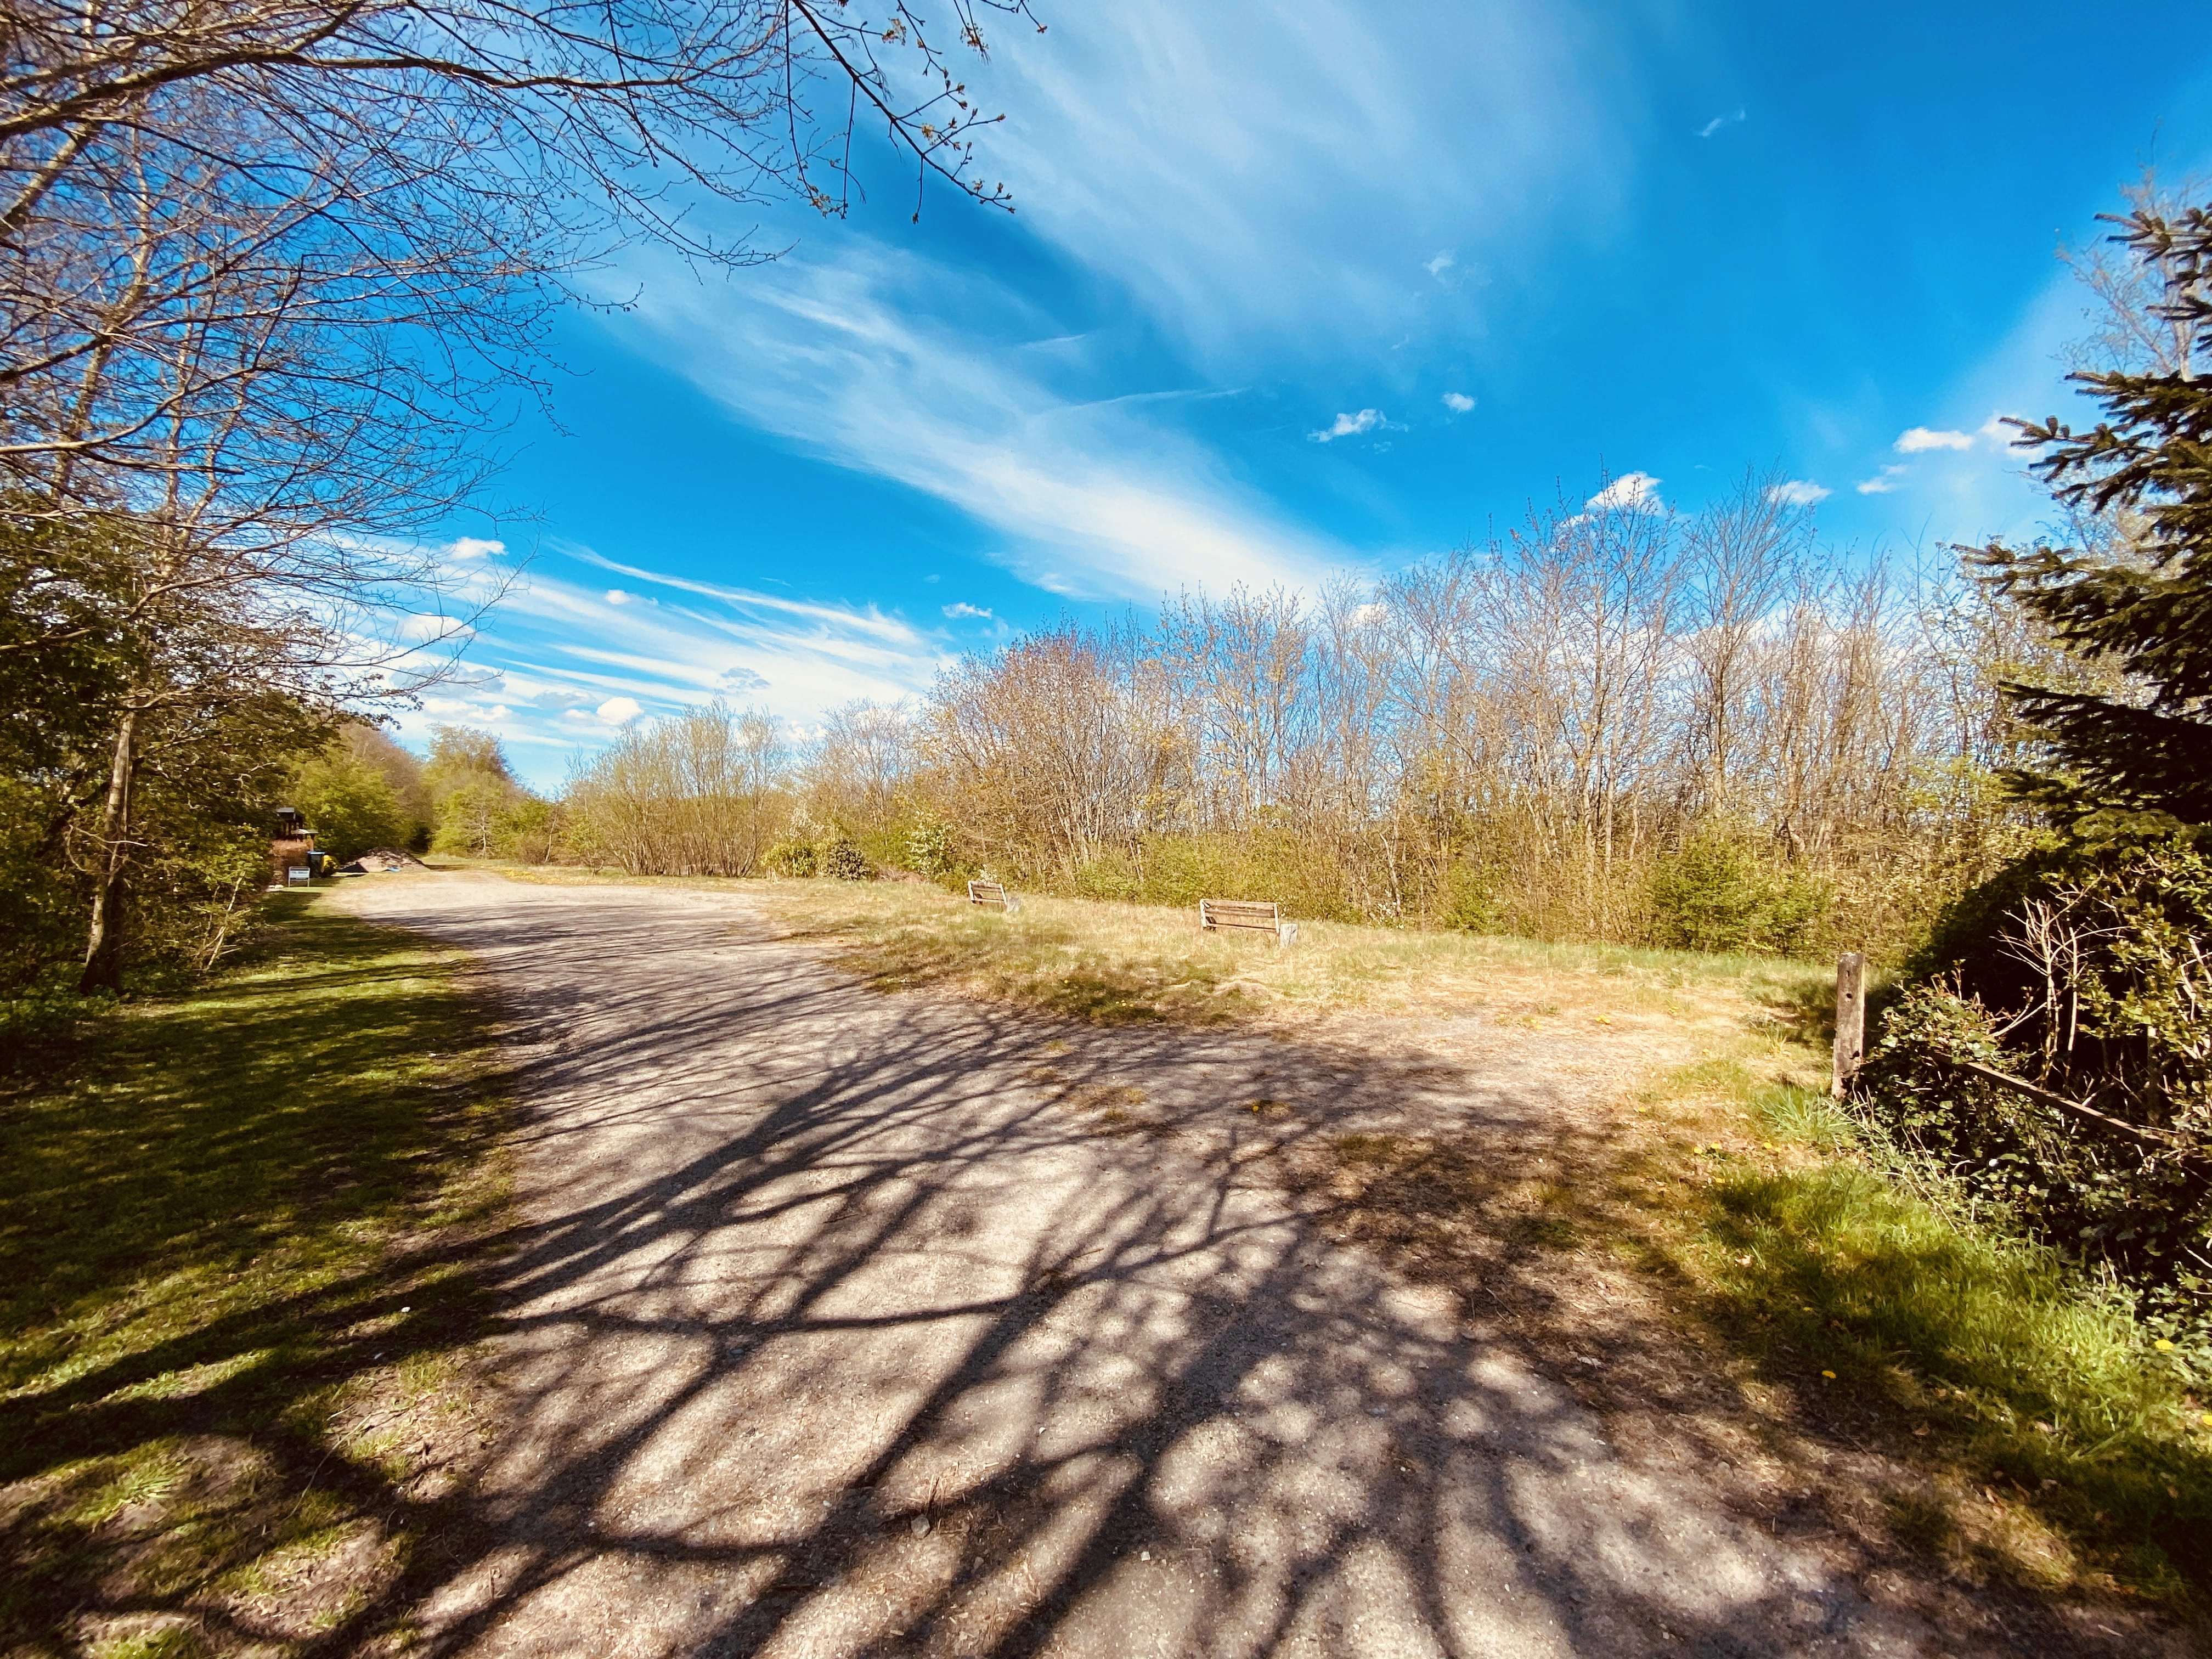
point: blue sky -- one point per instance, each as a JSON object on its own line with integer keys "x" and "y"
{"x": 1300, "y": 288}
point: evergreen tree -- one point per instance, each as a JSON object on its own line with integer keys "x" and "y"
{"x": 2144, "y": 607}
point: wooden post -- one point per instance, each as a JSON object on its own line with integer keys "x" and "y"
{"x": 1851, "y": 1019}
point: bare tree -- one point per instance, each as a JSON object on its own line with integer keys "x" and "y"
{"x": 269, "y": 271}
{"x": 1742, "y": 556}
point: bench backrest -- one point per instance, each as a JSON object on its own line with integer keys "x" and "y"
{"x": 1263, "y": 917}
{"x": 988, "y": 892}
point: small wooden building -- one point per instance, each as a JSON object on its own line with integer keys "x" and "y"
{"x": 292, "y": 846}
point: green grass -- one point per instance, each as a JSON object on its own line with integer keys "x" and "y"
{"x": 1903, "y": 1314}
{"x": 236, "y": 1230}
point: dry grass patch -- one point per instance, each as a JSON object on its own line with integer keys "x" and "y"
{"x": 1098, "y": 960}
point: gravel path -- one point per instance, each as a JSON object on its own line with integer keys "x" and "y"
{"x": 851, "y": 1324}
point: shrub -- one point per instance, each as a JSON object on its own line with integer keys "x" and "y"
{"x": 790, "y": 858}
{"x": 2086, "y": 976}
{"x": 929, "y": 849}
{"x": 1716, "y": 894}
{"x": 843, "y": 860}
{"x": 1471, "y": 900}
{"x": 350, "y": 804}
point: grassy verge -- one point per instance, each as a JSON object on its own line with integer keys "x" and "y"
{"x": 235, "y": 1304}
{"x": 1098, "y": 960}
{"x": 2073, "y": 1447}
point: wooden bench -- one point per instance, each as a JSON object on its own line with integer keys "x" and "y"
{"x": 1258, "y": 916}
{"x": 993, "y": 892}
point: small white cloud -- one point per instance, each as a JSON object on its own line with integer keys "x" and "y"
{"x": 1998, "y": 431}
{"x": 964, "y": 609}
{"x": 1919, "y": 440}
{"x": 1630, "y": 489}
{"x": 1883, "y": 483}
{"x": 1350, "y": 426}
{"x": 614, "y": 710}
{"x": 1799, "y": 492}
{"x": 740, "y": 679}
{"x": 1718, "y": 122}
{"x": 421, "y": 629}
{"x": 616, "y": 596}
{"x": 1458, "y": 402}
{"x": 474, "y": 547}
{"x": 1443, "y": 261}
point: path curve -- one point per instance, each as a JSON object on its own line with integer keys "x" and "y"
{"x": 853, "y": 1324}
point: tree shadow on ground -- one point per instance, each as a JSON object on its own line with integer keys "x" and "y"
{"x": 880, "y": 1326}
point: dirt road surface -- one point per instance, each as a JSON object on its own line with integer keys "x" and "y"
{"x": 852, "y": 1324}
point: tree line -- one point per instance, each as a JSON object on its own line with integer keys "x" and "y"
{"x": 1614, "y": 721}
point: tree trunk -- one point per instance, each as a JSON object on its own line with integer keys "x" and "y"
{"x": 103, "y": 949}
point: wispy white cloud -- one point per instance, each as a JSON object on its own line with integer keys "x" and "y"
{"x": 963, "y": 609}
{"x": 1720, "y": 122}
{"x": 1458, "y": 402}
{"x": 1919, "y": 440}
{"x": 1440, "y": 262}
{"x": 1998, "y": 430}
{"x": 1176, "y": 150}
{"x": 1630, "y": 489}
{"x": 1093, "y": 498}
{"x": 1884, "y": 483}
{"x": 560, "y": 665}
{"x": 1350, "y": 426}
{"x": 1799, "y": 492}
{"x": 427, "y": 628}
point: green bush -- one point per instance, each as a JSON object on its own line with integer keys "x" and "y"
{"x": 790, "y": 858}
{"x": 843, "y": 860}
{"x": 931, "y": 849}
{"x": 350, "y": 805}
{"x": 1471, "y": 900}
{"x": 2087, "y": 976}
{"x": 1716, "y": 894}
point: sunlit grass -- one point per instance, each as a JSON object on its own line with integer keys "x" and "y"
{"x": 1107, "y": 960}
{"x": 234, "y": 1229}
{"x": 2037, "y": 1393}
